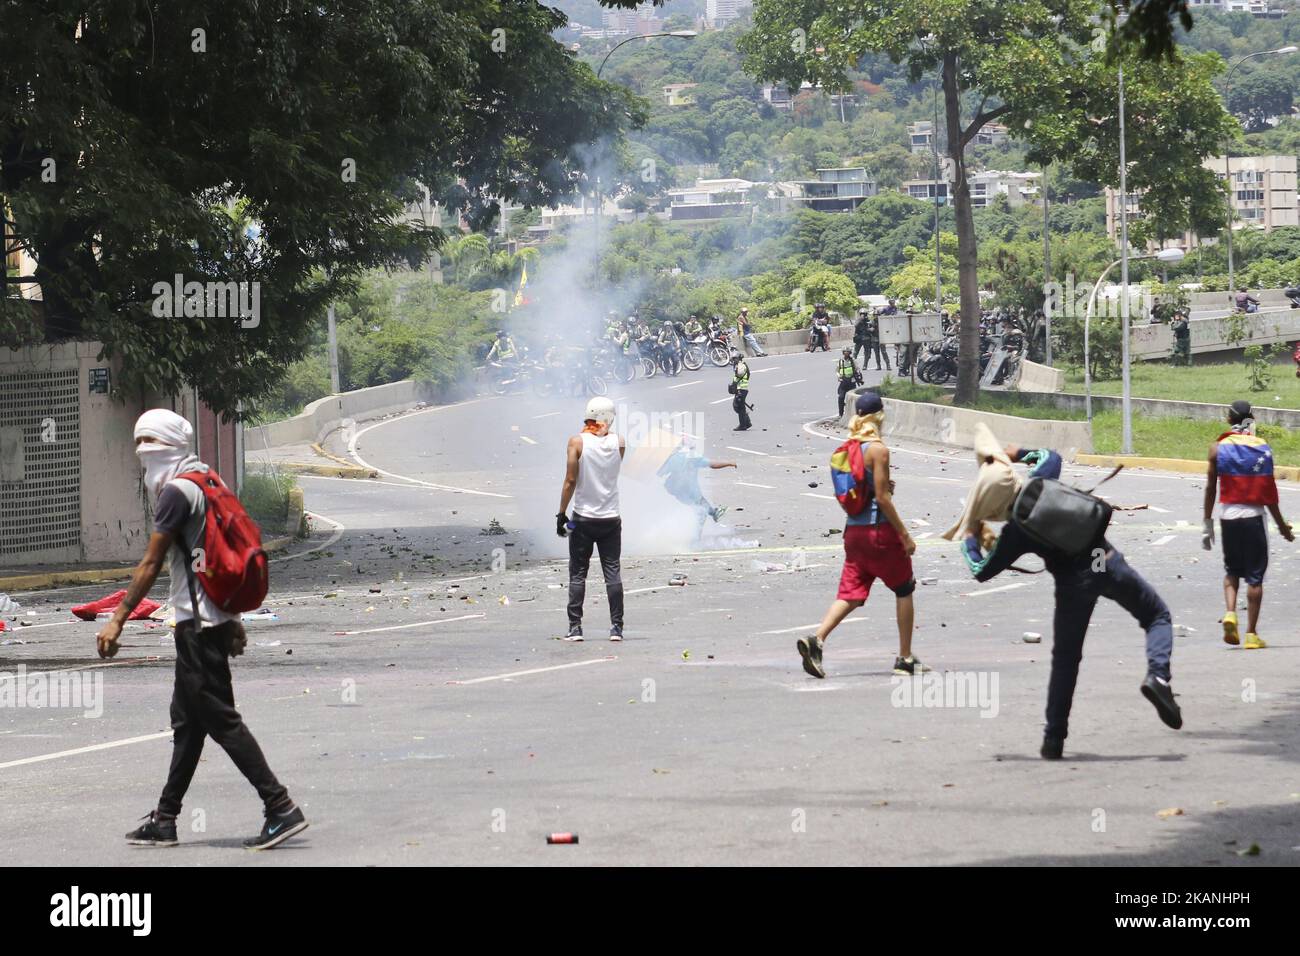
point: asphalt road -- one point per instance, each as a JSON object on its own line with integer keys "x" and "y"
{"x": 412, "y": 697}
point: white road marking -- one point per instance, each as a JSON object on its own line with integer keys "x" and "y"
{"x": 750, "y": 484}
{"x": 748, "y": 451}
{"x": 527, "y": 439}
{"x": 657, "y": 587}
{"x": 546, "y": 415}
{"x": 770, "y": 368}
{"x": 721, "y": 400}
{"x": 352, "y": 450}
{"x": 86, "y": 750}
{"x": 698, "y": 381}
{"x": 1005, "y": 587}
{"x": 814, "y": 626}
{"x": 810, "y": 494}
{"x": 1163, "y": 511}
{"x": 535, "y": 670}
{"x": 920, "y": 522}
{"x": 1163, "y": 541}
{"x": 402, "y": 627}
{"x": 86, "y": 667}
{"x": 795, "y": 382}
{"x": 338, "y": 533}
{"x": 924, "y": 534}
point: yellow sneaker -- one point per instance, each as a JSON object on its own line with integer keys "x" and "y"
{"x": 1230, "y": 628}
{"x": 1254, "y": 643}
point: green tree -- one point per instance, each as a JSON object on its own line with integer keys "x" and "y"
{"x": 127, "y": 132}
{"x": 995, "y": 59}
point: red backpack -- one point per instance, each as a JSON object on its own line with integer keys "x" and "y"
{"x": 234, "y": 573}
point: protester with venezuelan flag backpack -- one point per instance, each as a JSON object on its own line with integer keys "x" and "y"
{"x": 876, "y": 542}
{"x": 1241, "y": 466}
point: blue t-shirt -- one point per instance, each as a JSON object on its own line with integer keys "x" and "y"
{"x": 682, "y": 474}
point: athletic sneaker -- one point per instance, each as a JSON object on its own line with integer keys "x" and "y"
{"x": 278, "y": 828}
{"x": 1157, "y": 690}
{"x": 616, "y": 633}
{"x": 1230, "y": 628}
{"x": 1052, "y": 748}
{"x": 1254, "y": 643}
{"x": 575, "y": 633}
{"x": 718, "y": 512}
{"x": 154, "y": 832}
{"x": 810, "y": 649}
{"x": 908, "y": 666}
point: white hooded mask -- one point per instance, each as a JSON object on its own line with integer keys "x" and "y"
{"x": 168, "y": 453}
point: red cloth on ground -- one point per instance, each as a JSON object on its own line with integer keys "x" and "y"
{"x": 89, "y": 611}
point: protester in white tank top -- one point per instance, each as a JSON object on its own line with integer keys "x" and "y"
{"x": 593, "y": 460}
{"x": 596, "y": 495}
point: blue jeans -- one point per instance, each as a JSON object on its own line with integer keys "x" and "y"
{"x": 1078, "y": 588}
{"x": 753, "y": 344}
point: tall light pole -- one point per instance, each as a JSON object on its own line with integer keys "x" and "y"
{"x": 1227, "y": 170}
{"x": 1167, "y": 256}
{"x": 682, "y": 34}
{"x": 934, "y": 149}
{"x": 1047, "y": 269}
{"x": 1127, "y": 443}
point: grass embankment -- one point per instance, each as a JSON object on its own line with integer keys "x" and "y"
{"x": 1222, "y": 384}
{"x": 1152, "y": 437}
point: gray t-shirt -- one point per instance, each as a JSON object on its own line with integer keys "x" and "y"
{"x": 181, "y": 512}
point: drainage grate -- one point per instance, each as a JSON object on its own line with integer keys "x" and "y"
{"x": 42, "y": 511}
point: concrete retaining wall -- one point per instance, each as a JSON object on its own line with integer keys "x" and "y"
{"x": 1164, "y": 408}
{"x": 325, "y": 414}
{"x": 943, "y": 424}
{"x": 796, "y": 340}
{"x": 1268, "y": 327}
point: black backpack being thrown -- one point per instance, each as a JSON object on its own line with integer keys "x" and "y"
{"x": 1060, "y": 517}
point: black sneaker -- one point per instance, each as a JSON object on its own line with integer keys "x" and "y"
{"x": 810, "y": 649}
{"x": 278, "y": 828}
{"x": 909, "y": 666}
{"x": 155, "y": 831}
{"x": 1161, "y": 695}
{"x": 1052, "y": 747}
{"x": 616, "y": 632}
{"x": 575, "y": 633}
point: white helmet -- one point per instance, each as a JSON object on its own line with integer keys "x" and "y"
{"x": 601, "y": 410}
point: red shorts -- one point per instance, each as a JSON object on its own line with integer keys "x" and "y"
{"x": 872, "y": 551}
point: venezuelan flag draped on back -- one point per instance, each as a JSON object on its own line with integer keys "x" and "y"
{"x": 1245, "y": 466}
{"x": 848, "y": 476}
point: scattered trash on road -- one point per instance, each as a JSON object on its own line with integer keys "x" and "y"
{"x": 1170, "y": 812}
{"x": 1032, "y": 637}
{"x": 9, "y": 606}
{"x": 558, "y": 838}
{"x": 678, "y": 580}
{"x": 261, "y": 614}
{"x": 494, "y": 527}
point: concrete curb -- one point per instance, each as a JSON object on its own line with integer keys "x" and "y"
{"x": 1184, "y": 465}
{"x": 316, "y": 447}
{"x": 50, "y": 579}
{"x": 327, "y": 471}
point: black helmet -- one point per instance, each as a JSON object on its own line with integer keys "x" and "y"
{"x": 501, "y": 333}
{"x": 735, "y": 356}
{"x": 819, "y": 305}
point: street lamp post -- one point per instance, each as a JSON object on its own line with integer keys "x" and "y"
{"x": 1166, "y": 256}
{"x": 1227, "y": 170}
{"x": 682, "y": 34}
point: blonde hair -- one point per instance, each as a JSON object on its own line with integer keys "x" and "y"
{"x": 867, "y": 427}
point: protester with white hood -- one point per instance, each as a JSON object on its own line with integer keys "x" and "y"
{"x": 203, "y": 700}
{"x": 1097, "y": 570}
{"x": 593, "y": 460}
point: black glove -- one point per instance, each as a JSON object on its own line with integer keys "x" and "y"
{"x": 560, "y": 522}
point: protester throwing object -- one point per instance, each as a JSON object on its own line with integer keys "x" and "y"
{"x": 1066, "y": 528}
